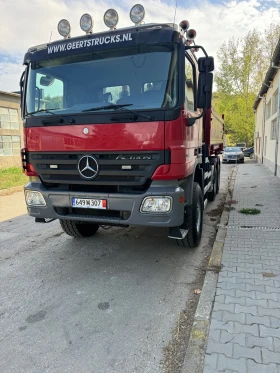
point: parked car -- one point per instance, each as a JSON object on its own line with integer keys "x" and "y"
{"x": 241, "y": 145}
{"x": 233, "y": 154}
{"x": 249, "y": 152}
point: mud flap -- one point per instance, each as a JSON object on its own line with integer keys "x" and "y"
{"x": 177, "y": 233}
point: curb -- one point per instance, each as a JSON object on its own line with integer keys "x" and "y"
{"x": 194, "y": 358}
{"x": 9, "y": 191}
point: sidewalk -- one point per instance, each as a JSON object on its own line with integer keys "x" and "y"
{"x": 244, "y": 335}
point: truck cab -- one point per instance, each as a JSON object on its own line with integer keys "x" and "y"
{"x": 117, "y": 130}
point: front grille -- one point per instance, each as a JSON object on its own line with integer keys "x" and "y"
{"x": 93, "y": 213}
{"x": 58, "y": 170}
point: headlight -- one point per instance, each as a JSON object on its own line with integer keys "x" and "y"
{"x": 156, "y": 204}
{"x": 64, "y": 28}
{"x": 34, "y": 198}
{"x": 111, "y": 18}
{"x": 137, "y": 14}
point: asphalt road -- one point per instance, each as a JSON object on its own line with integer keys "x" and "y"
{"x": 119, "y": 302}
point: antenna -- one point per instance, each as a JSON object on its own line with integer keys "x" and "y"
{"x": 50, "y": 37}
{"x": 175, "y": 13}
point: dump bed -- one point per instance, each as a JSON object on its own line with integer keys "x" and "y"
{"x": 214, "y": 131}
{"x": 217, "y": 128}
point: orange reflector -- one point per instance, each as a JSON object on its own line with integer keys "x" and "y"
{"x": 182, "y": 199}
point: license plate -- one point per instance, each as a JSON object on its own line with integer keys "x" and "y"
{"x": 88, "y": 203}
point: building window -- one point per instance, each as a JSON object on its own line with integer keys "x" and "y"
{"x": 9, "y": 146}
{"x": 9, "y": 119}
{"x": 268, "y": 110}
{"x": 273, "y": 130}
{"x": 274, "y": 103}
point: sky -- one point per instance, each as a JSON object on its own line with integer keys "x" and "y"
{"x": 26, "y": 23}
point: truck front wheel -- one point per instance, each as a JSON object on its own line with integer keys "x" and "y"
{"x": 77, "y": 229}
{"x": 193, "y": 219}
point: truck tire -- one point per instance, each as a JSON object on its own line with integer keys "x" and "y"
{"x": 193, "y": 219}
{"x": 212, "y": 195}
{"x": 76, "y": 229}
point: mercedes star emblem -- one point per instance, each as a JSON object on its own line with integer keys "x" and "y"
{"x": 88, "y": 167}
{"x": 85, "y": 131}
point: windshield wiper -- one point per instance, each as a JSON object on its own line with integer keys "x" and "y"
{"x": 121, "y": 107}
{"x": 43, "y": 110}
{"x": 57, "y": 119}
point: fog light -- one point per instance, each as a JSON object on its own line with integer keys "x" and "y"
{"x": 156, "y": 204}
{"x": 34, "y": 198}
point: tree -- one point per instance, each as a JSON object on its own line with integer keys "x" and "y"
{"x": 243, "y": 65}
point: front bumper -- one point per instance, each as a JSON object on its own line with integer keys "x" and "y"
{"x": 234, "y": 160}
{"x": 124, "y": 207}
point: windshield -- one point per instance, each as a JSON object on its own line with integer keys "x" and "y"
{"x": 143, "y": 76}
{"x": 232, "y": 150}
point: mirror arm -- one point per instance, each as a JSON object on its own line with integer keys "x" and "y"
{"x": 187, "y": 47}
{"x": 191, "y": 121}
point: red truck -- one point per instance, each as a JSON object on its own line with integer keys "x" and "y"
{"x": 119, "y": 129}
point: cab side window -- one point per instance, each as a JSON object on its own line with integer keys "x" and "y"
{"x": 189, "y": 86}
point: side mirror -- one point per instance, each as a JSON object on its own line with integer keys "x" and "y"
{"x": 206, "y": 63}
{"x": 204, "y": 96}
{"x": 47, "y": 80}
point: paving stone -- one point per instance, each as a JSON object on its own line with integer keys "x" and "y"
{"x": 249, "y": 329}
{"x": 234, "y": 300}
{"x": 237, "y": 365}
{"x": 255, "y": 288}
{"x": 239, "y": 338}
{"x": 246, "y": 309}
{"x": 223, "y": 307}
{"x": 270, "y": 357}
{"x": 268, "y": 312}
{"x": 229, "y": 316}
{"x": 260, "y": 368}
{"x": 215, "y": 335}
{"x": 272, "y": 304}
{"x": 220, "y": 325}
{"x": 249, "y": 353}
{"x": 276, "y": 342}
{"x": 271, "y": 296}
{"x": 220, "y": 291}
{"x": 266, "y": 342}
{"x": 256, "y": 302}
{"x": 261, "y": 320}
{"x": 275, "y": 322}
{"x": 219, "y": 348}
{"x": 211, "y": 361}
{"x": 269, "y": 332}
{"x": 217, "y": 315}
{"x": 246, "y": 294}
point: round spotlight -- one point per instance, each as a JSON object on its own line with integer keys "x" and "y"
{"x": 64, "y": 28}
{"x": 137, "y": 14}
{"x": 86, "y": 23}
{"x": 111, "y": 18}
